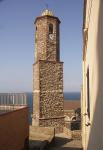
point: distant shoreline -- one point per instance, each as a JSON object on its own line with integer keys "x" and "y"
{"x": 71, "y": 104}
{"x": 73, "y": 100}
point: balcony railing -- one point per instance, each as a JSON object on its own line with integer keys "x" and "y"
{"x": 13, "y": 99}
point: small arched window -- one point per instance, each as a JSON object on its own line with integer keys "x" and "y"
{"x": 50, "y": 28}
{"x": 36, "y": 28}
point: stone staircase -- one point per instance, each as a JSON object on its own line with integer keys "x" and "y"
{"x": 40, "y": 137}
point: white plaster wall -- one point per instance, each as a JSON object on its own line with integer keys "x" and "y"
{"x": 93, "y": 134}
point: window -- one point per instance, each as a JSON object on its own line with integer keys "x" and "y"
{"x": 88, "y": 94}
{"x": 36, "y": 28}
{"x": 50, "y": 28}
{"x": 36, "y": 34}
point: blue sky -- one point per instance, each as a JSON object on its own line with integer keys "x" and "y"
{"x": 17, "y": 42}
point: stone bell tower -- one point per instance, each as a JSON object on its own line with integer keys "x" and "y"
{"x": 48, "y": 74}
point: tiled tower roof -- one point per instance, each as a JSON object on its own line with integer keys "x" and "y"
{"x": 47, "y": 12}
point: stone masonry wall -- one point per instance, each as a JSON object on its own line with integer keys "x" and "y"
{"x": 45, "y": 48}
{"x": 36, "y": 93}
{"x": 51, "y": 93}
{"x": 40, "y": 39}
{"x": 51, "y": 89}
{"x": 58, "y": 123}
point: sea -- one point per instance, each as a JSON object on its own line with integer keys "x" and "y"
{"x": 67, "y": 96}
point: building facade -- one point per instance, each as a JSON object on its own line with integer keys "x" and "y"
{"x": 14, "y": 127}
{"x": 92, "y": 89}
{"x": 48, "y": 73}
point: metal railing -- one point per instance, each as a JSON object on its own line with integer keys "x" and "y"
{"x": 13, "y": 99}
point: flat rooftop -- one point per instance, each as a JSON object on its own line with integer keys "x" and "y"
{"x": 9, "y": 108}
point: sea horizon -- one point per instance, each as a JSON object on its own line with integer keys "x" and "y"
{"x": 67, "y": 95}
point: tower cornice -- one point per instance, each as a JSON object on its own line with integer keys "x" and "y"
{"x": 47, "y": 16}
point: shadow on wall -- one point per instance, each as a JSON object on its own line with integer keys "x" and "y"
{"x": 96, "y": 134}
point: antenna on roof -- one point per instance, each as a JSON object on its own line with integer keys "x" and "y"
{"x": 46, "y": 6}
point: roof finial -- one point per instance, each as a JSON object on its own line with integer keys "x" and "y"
{"x": 46, "y": 6}
{"x": 47, "y": 12}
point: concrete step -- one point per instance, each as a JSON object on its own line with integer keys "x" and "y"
{"x": 40, "y": 137}
{"x": 44, "y": 130}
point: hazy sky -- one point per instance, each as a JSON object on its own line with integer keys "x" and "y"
{"x": 17, "y": 42}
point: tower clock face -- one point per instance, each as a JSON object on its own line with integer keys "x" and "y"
{"x": 51, "y": 36}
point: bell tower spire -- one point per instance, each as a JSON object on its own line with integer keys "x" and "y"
{"x": 48, "y": 73}
{"x": 47, "y": 37}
